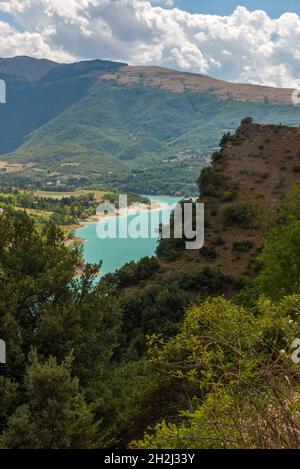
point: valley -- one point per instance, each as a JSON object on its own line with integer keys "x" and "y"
{"x": 112, "y": 126}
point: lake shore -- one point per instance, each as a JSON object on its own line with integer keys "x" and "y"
{"x": 133, "y": 209}
{"x": 115, "y": 252}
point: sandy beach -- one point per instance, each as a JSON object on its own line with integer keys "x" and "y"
{"x": 133, "y": 209}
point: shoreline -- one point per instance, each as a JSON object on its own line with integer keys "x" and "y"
{"x": 132, "y": 210}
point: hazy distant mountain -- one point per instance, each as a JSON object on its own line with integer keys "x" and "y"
{"x": 106, "y": 121}
{"x": 25, "y": 68}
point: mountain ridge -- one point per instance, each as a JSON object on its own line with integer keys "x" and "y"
{"x": 178, "y": 81}
{"x": 167, "y": 78}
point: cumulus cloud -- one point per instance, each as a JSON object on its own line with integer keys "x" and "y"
{"x": 243, "y": 47}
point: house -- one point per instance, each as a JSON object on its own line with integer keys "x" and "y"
{"x": 105, "y": 208}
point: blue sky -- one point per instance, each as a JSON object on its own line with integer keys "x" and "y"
{"x": 274, "y": 8}
{"x": 10, "y": 20}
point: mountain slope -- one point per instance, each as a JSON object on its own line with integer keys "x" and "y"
{"x": 102, "y": 122}
{"x": 38, "y": 91}
{"x": 181, "y": 82}
{"x": 24, "y": 68}
{"x": 242, "y": 191}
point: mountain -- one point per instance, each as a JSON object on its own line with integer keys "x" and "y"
{"x": 24, "y": 68}
{"x": 243, "y": 190}
{"x": 181, "y": 82}
{"x": 252, "y": 185}
{"x": 102, "y": 122}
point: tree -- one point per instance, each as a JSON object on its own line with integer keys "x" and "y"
{"x": 55, "y": 414}
{"x": 235, "y": 377}
{"x": 291, "y": 204}
{"x": 45, "y": 307}
{"x": 280, "y": 261}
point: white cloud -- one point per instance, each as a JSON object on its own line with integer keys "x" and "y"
{"x": 33, "y": 44}
{"x": 245, "y": 46}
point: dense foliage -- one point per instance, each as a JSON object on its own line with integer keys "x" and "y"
{"x": 64, "y": 208}
{"x": 45, "y": 311}
{"x": 234, "y": 371}
{"x": 147, "y": 357}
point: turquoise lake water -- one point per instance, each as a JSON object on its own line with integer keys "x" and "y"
{"x": 114, "y": 253}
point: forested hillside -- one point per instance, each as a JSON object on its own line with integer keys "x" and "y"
{"x": 104, "y": 123}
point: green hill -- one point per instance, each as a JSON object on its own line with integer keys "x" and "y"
{"x": 101, "y": 122}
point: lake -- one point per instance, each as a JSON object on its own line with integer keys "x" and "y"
{"x": 114, "y": 253}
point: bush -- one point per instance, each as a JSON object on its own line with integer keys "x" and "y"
{"x": 247, "y": 120}
{"x": 228, "y": 196}
{"x": 296, "y": 168}
{"x": 225, "y": 139}
{"x": 134, "y": 272}
{"x": 242, "y": 215}
{"x": 209, "y": 182}
{"x": 216, "y": 156}
{"x": 209, "y": 253}
{"x": 219, "y": 241}
{"x": 243, "y": 246}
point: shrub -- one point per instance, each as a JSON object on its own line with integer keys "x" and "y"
{"x": 247, "y": 120}
{"x": 219, "y": 241}
{"x": 209, "y": 182}
{"x": 228, "y": 196}
{"x": 242, "y": 215}
{"x": 216, "y": 156}
{"x": 209, "y": 253}
{"x": 296, "y": 168}
{"x": 243, "y": 246}
{"x": 134, "y": 272}
{"x": 225, "y": 139}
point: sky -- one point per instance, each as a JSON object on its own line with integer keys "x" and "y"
{"x": 247, "y": 41}
{"x": 274, "y": 8}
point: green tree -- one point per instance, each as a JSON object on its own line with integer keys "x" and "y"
{"x": 235, "y": 377}
{"x": 280, "y": 261}
{"x": 45, "y": 306}
{"x": 291, "y": 205}
{"x": 55, "y": 415}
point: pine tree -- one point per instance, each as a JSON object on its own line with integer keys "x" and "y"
{"x": 55, "y": 414}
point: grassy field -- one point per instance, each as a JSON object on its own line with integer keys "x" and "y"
{"x": 99, "y": 195}
{"x": 36, "y": 213}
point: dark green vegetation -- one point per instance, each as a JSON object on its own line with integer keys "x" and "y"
{"x": 43, "y": 308}
{"x": 149, "y": 348}
{"x": 74, "y": 125}
{"x": 64, "y": 211}
{"x": 62, "y": 208}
